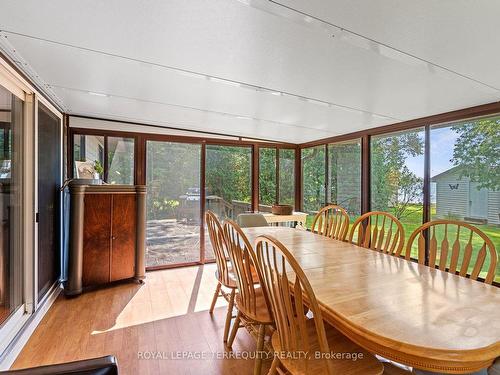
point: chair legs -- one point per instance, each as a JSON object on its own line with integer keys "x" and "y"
{"x": 260, "y": 346}
{"x": 214, "y": 300}
{"x": 236, "y": 326}
{"x": 274, "y": 366}
{"x": 260, "y": 342}
{"x": 229, "y": 315}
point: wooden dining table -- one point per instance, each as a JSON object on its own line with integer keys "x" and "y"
{"x": 409, "y": 313}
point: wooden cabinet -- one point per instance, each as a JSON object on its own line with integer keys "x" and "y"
{"x": 107, "y": 235}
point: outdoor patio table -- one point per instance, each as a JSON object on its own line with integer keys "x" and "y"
{"x": 299, "y": 217}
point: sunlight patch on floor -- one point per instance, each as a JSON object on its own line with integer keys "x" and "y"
{"x": 168, "y": 294}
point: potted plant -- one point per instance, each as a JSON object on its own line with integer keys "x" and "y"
{"x": 99, "y": 170}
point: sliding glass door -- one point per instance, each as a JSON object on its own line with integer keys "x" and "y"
{"x": 174, "y": 203}
{"x": 11, "y": 177}
{"x": 228, "y": 180}
{"x": 49, "y": 199}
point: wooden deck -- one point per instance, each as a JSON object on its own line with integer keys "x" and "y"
{"x": 168, "y": 314}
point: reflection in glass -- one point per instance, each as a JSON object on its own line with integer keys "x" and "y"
{"x": 173, "y": 203}
{"x": 120, "y": 161}
{"x": 87, "y": 150}
{"x": 344, "y": 168}
{"x": 465, "y": 177}
{"x": 11, "y": 275}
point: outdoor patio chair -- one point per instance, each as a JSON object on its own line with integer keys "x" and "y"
{"x": 251, "y": 220}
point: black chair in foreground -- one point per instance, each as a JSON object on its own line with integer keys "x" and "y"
{"x": 96, "y": 366}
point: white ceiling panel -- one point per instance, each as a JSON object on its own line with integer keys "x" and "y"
{"x": 257, "y": 68}
{"x": 461, "y": 35}
{"x": 81, "y": 70}
{"x": 158, "y": 114}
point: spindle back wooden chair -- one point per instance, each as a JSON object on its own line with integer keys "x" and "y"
{"x": 378, "y": 231}
{"x": 287, "y": 288}
{"x": 451, "y": 248}
{"x": 331, "y": 221}
{"x": 253, "y": 310}
{"x": 224, "y": 273}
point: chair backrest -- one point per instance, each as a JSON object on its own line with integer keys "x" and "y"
{"x": 331, "y": 221}
{"x": 243, "y": 261}
{"x": 216, "y": 234}
{"x": 249, "y": 220}
{"x": 455, "y": 246}
{"x": 281, "y": 276}
{"x": 379, "y": 231}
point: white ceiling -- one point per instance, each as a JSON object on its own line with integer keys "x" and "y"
{"x": 290, "y": 70}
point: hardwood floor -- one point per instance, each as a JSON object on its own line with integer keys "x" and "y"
{"x": 166, "y": 315}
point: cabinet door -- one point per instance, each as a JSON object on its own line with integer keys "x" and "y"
{"x": 123, "y": 236}
{"x": 96, "y": 239}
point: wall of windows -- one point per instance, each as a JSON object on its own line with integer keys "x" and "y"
{"x": 416, "y": 174}
{"x": 446, "y": 171}
{"x": 180, "y": 172}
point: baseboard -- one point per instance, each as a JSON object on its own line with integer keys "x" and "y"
{"x": 22, "y": 337}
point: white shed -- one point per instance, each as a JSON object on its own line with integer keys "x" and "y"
{"x": 459, "y": 197}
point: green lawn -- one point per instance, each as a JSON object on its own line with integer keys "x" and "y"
{"x": 414, "y": 219}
